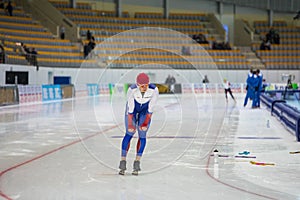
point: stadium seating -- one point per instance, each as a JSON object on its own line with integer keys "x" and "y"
{"x": 21, "y": 28}
{"x": 104, "y": 24}
{"x": 285, "y": 55}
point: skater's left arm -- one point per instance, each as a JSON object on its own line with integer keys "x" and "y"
{"x": 152, "y": 103}
{"x": 153, "y": 100}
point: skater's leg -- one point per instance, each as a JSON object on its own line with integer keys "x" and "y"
{"x": 230, "y": 92}
{"x": 226, "y": 94}
{"x": 127, "y": 138}
{"x": 139, "y": 152}
{"x": 140, "y": 147}
{"x": 125, "y": 145}
{"x": 142, "y": 138}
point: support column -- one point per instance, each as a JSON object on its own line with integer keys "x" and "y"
{"x": 270, "y": 17}
{"x": 166, "y": 8}
{"x": 118, "y": 8}
{"x": 72, "y": 3}
{"x": 220, "y": 9}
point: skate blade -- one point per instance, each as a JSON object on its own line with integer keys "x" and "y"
{"x": 135, "y": 173}
{"x": 122, "y": 172}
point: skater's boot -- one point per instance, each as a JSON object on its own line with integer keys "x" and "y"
{"x": 136, "y": 167}
{"x": 122, "y": 167}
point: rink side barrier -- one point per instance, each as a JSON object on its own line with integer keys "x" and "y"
{"x": 37, "y": 93}
{"x": 57, "y": 92}
{"x": 93, "y": 89}
{"x": 286, "y": 114}
{"x": 9, "y": 95}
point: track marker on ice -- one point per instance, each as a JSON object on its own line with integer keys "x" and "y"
{"x": 294, "y": 152}
{"x": 262, "y": 163}
{"x": 244, "y": 153}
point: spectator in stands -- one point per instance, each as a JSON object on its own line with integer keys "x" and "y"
{"x": 24, "y": 51}
{"x": 200, "y": 38}
{"x": 186, "y": 51}
{"x": 297, "y": 16}
{"x": 227, "y": 46}
{"x": 29, "y": 53}
{"x": 9, "y": 8}
{"x": 205, "y": 80}
{"x": 89, "y": 47}
{"x": 265, "y": 45}
{"x": 276, "y": 38}
{"x": 2, "y": 53}
{"x": 2, "y": 4}
{"x": 88, "y": 35}
{"x": 221, "y": 46}
{"x": 33, "y": 56}
{"x": 273, "y": 37}
{"x": 62, "y": 32}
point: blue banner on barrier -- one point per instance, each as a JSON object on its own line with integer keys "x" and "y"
{"x": 93, "y": 89}
{"x": 51, "y": 92}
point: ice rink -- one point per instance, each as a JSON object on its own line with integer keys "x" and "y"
{"x": 70, "y": 150}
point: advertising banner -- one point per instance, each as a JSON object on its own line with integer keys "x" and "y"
{"x": 93, "y": 89}
{"x": 187, "y": 88}
{"x": 51, "y": 92}
{"x": 210, "y": 88}
{"x": 198, "y": 88}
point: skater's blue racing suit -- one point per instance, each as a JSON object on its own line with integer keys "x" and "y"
{"x": 139, "y": 109}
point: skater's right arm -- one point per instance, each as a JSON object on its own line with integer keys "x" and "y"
{"x": 130, "y": 104}
{"x": 131, "y": 128}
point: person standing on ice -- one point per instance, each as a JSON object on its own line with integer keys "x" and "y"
{"x": 141, "y": 98}
{"x": 227, "y": 89}
{"x": 249, "y": 88}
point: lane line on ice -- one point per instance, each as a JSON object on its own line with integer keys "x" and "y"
{"x": 48, "y": 153}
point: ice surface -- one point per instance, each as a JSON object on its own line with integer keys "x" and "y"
{"x": 71, "y": 150}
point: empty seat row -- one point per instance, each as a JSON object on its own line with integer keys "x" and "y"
{"x": 41, "y": 41}
{"x": 279, "y": 47}
{"x": 277, "y": 53}
{"x": 120, "y": 27}
{"x": 21, "y": 20}
{"x": 21, "y": 27}
{"x": 278, "y": 29}
{"x": 283, "y": 65}
{"x": 27, "y": 34}
{"x": 266, "y": 24}
{"x": 65, "y": 4}
{"x": 132, "y": 21}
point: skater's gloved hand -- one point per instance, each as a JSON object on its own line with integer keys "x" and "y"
{"x": 144, "y": 125}
{"x": 131, "y": 128}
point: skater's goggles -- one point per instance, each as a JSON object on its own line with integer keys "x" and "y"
{"x": 143, "y": 85}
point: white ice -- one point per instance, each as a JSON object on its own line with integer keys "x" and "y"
{"x": 70, "y": 150}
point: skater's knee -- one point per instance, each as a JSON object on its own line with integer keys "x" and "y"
{"x": 130, "y": 133}
{"x": 142, "y": 134}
